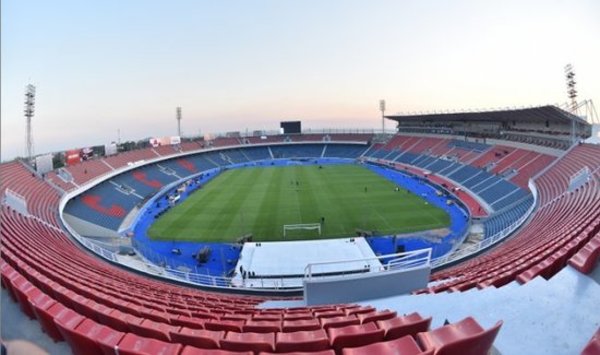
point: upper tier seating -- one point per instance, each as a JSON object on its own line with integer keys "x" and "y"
{"x": 562, "y": 225}
{"x": 41, "y": 198}
{"x": 505, "y": 218}
{"x": 122, "y": 159}
{"x": 297, "y": 151}
{"x": 94, "y": 305}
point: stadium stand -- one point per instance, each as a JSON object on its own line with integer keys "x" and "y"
{"x": 132, "y": 156}
{"x": 41, "y": 198}
{"x": 561, "y": 226}
{"x": 225, "y": 141}
{"x": 502, "y": 219}
{"x": 95, "y": 306}
{"x": 105, "y": 205}
{"x": 165, "y": 150}
{"x": 297, "y": 151}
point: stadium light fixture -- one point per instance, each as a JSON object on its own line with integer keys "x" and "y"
{"x": 382, "y": 109}
{"x": 178, "y": 112}
{"x": 572, "y": 94}
{"x": 29, "y": 112}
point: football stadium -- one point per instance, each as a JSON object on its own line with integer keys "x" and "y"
{"x": 471, "y": 231}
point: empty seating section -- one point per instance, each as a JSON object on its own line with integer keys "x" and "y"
{"x": 344, "y": 151}
{"x": 587, "y": 257}
{"x": 225, "y": 141}
{"x": 450, "y": 157}
{"x": 105, "y": 205}
{"x": 503, "y": 219}
{"x": 54, "y": 177}
{"x": 41, "y": 198}
{"x": 145, "y": 180}
{"x": 191, "y": 146}
{"x": 235, "y": 156}
{"x": 257, "y": 153}
{"x": 532, "y": 168}
{"x": 180, "y": 166}
{"x": 109, "y": 203}
{"x": 491, "y": 156}
{"x": 515, "y": 157}
{"x": 351, "y": 137}
{"x": 307, "y": 137}
{"x": 87, "y": 170}
{"x": 122, "y": 159}
{"x": 266, "y": 139}
{"x": 297, "y": 151}
{"x": 467, "y": 145}
{"x": 97, "y": 307}
{"x": 556, "y": 181}
{"x": 564, "y": 225}
{"x": 166, "y": 150}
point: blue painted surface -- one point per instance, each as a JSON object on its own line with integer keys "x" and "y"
{"x": 224, "y": 256}
{"x": 458, "y": 219}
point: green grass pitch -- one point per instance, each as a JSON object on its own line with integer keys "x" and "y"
{"x": 261, "y": 200}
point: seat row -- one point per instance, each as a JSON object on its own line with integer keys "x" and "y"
{"x": 557, "y": 232}
{"x": 363, "y": 335}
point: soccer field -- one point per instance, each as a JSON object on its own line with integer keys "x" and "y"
{"x": 261, "y": 200}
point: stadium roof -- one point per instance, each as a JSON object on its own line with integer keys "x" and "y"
{"x": 533, "y": 114}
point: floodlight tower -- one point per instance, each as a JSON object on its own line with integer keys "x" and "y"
{"x": 382, "y": 109}
{"x": 178, "y": 111}
{"x": 29, "y": 111}
{"x": 572, "y": 94}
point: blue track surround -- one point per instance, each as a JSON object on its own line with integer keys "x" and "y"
{"x": 224, "y": 256}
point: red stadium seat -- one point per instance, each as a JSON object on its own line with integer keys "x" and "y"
{"x": 593, "y": 346}
{"x": 255, "y": 342}
{"x": 114, "y": 318}
{"x": 205, "y": 339}
{"x": 465, "y": 337}
{"x": 24, "y": 289}
{"x": 151, "y": 329}
{"x": 322, "y": 352}
{"x": 85, "y": 338}
{"x": 354, "y": 336}
{"x": 302, "y": 315}
{"x": 329, "y": 313}
{"x": 359, "y": 310}
{"x": 301, "y": 324}
{"x": 262, "y": 326}
{"x": 376, "y": 315}
{"x": 190, "y": 350}
{"x": 398, "y": 327}
{"x": 190, "y": 322}
{"x": 225, "y": 325}
{"x": 587, "y": 258}
{"x": 132, "y": 344}
{"x": 337, "y": 322}
{"x": 401, "y": 346}
{"x": 312, "y": 340}
{"x": 46, "y": 317}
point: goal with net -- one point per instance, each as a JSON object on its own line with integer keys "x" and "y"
{"x": 307, "y": 226}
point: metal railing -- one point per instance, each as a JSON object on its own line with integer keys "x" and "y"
{"x": 403, "y": 261}
{"x": 399, "y": 261}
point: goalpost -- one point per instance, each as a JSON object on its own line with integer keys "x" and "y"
{"x": 307, "y": 226}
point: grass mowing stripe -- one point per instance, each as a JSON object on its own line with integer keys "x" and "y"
{"x": 260, "y": 200}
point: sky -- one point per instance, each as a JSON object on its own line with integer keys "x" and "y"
{"x": 103, "y": 67}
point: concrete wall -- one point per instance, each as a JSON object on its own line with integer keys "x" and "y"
{"x": 365, "y": 286}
